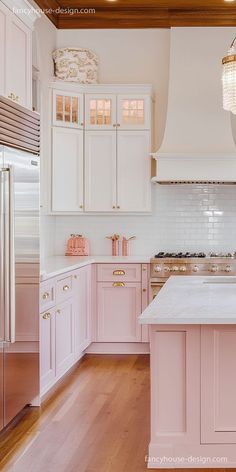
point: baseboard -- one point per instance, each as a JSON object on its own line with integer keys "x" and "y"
{"x": 118, "y": 348}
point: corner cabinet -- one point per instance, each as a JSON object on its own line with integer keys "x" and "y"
{"x": 114, "y": 132}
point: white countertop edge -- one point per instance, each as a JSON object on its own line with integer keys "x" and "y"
{"x": 186, "y": 321}
{"x": 57, "y": 265}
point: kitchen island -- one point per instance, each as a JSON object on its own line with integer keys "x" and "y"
{"x": 193, "y": 373}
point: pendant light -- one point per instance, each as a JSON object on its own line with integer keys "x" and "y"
{"x": 229, "y": 79}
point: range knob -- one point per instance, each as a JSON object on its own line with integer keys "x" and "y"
{"x": 174, "y": 269}
{"x": 195, "y": 268}
{"x": 214, "y": 268}
{"x": 228, "y": 268}
{"x": 157, "y": 268}
{"x": 183, "y": 269}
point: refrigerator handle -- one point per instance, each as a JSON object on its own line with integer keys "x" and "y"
{"x": 9, "y": 257}
{"x": 12, "y": 281}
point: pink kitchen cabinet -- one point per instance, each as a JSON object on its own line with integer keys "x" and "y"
{"x": 118, "y": 308}
{"x": 82, "y": 290}
{"x": 47, "y": 349}
{"x": 218, "y": 381}
{"x": 64, "y": 328}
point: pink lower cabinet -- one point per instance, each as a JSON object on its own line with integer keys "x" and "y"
{"x": 193, "y": 396}
{"x": 218, "y": 381}
{"x": 82, "y": 294}
{"x": 64, "y": 328}
{"x": 47, "y": 349}
{"x": 118, "y": 308}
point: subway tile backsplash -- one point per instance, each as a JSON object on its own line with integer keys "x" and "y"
{"x": 185, "y": 217}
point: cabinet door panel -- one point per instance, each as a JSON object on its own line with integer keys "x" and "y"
{"x": 47, "y": 349}
{"x": 100, "y": 170}
{"x": 18, "y": 61}
{"x": 133, "y": 171}
{"x": 3, "y": 22}
{"x": 67, "y": 170}
{"x": 100, "y": 111}
{"x": 68, "y": 109}
{"x": 83, "y": 309}
{"x": 218, "y": 384}
{"x": 133, "y": 112}
{"x": 64, "y": 336}
{"x": 118, "y": 310}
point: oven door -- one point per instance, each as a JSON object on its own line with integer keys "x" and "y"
{"x": 156, "y": 287}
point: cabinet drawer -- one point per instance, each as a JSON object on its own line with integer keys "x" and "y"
{"x": 64, "y": 289}
{"x": 47, "y": 295}
{"x": 119, "y": 272}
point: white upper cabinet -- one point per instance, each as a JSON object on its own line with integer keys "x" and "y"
{"x": 133, "y": 171}
{"x": 133, "y": 112}
{"x": 16, "y": 57}
{"x": 100, "y": 111}
{"x": 3, "y": 28}
{"x": 67, "y": 170}
{"x": 114, "y": 145}
{"x": 100, "y": 171}
{"x": 68, "y": 109}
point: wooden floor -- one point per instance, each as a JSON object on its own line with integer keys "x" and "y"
{"x": 97, "y": 420}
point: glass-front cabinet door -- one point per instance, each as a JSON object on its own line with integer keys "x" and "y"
{"x": 100, "y": 111}
{"x": 133, "y": 112}
{"x": 68, "y": 109}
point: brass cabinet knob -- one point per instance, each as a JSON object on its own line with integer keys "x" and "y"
{"x": 118, "y": 125}
{"x": 58, "y": 312}
{"x": 144, "y": 289}
{"x": 66, "y": 288}
{"x": 46, "y": 316}
{"x": 118, "y": 284}
{"x": 118, "y": 206}
{"x": 81, "y": 206}
{"x": 114, "y": 126}
{"x": 45, "y": 296}
{"x": 75, "y": 276}
{"x": 82, "y": 124}
{"x": 113, "y": 207}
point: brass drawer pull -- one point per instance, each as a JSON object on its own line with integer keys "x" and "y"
{"x": 58, "y": 312}
{"x": 45, "y": 296}
{"x": 66, "y": 287}
{"x": 119, "y": 272}
{"x": 46, "y": 316}
{"x": 118, "y": 284}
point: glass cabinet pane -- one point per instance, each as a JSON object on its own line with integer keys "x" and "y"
{"x": 67, "y": 109}
{"x": 100, "y": 112}
{"x": 59, "y": 107}
{"x": 75, "y": 110}
{"x": 133, "y": 112}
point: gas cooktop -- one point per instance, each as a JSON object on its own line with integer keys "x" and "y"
{"x": 187, "y": 255}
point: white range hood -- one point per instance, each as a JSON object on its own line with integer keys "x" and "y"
{"x": 198, "y": 144}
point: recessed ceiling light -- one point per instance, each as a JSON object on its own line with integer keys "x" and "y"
{"x": 229, "y": 1}
{"x": 116, "y": 0}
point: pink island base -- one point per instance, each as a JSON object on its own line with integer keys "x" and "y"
{"x": 193, "y": 396}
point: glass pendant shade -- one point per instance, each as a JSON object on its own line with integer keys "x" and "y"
{"x": 229, "y": 79}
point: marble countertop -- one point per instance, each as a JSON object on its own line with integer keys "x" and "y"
{"x": 56, "y": 265}
{"x": 193, "y": 300}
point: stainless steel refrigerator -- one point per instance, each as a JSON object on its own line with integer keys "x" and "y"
{"x": 19, "y": 277}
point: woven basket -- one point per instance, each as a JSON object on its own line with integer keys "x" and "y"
{"x": 76, "y": 65}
